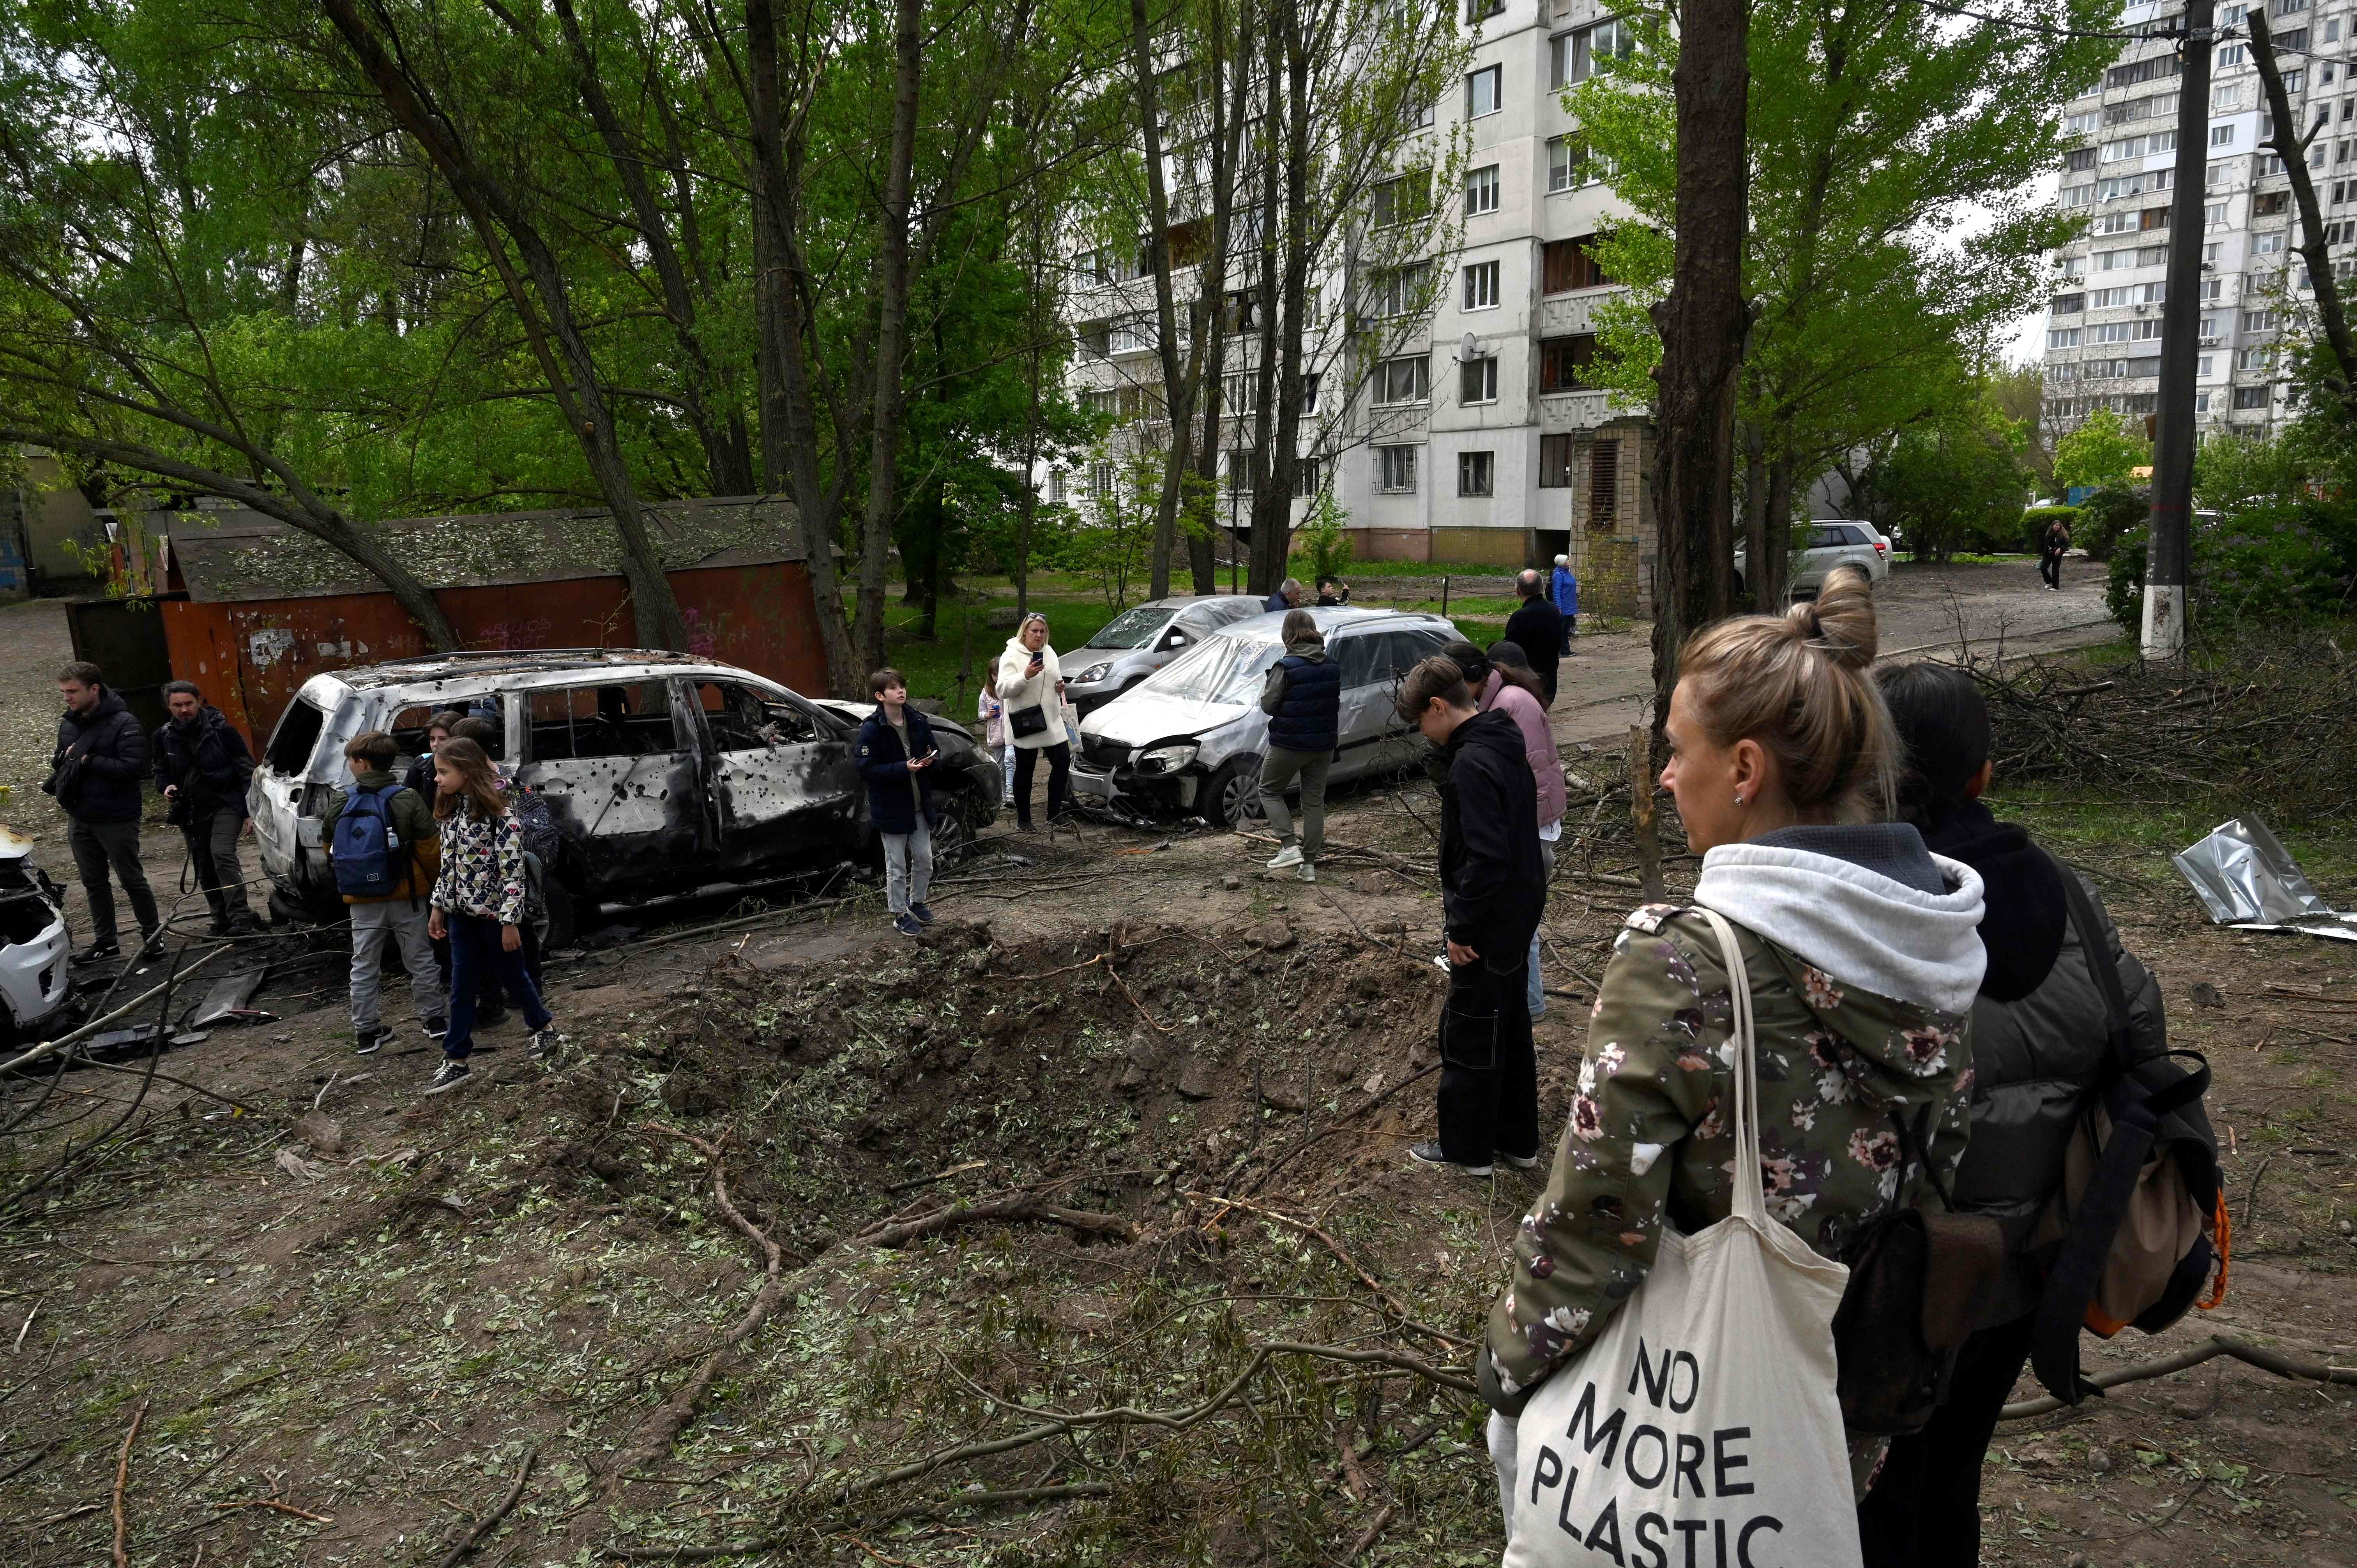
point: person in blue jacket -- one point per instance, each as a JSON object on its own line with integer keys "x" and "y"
{"x": 1566, "y": 599}
{"x": 1303, "y": 700}
{"x": 895, "y": 754}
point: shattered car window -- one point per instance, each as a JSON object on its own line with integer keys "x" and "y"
{"x": 619, "y": 719}
{"x": 1132, "y": 628}
{"x": 1224, "y": 670}
{"x": 742, "y": 718}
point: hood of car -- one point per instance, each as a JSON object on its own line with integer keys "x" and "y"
{"x": 1138, "y": 716}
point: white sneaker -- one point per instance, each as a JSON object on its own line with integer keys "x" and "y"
{"x": 1308, "y": 872}
{"x": 1289, "y": 855}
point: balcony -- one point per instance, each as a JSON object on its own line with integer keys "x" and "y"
{"x": 1574, "y": 410}
{"x": 1562, "y": 314}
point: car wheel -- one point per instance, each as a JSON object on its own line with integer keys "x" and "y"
{"x": 961, "y": 818}
{"x": 1233, "y": 795}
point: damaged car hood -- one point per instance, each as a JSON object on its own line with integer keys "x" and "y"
{"x": 1137, "y": 717}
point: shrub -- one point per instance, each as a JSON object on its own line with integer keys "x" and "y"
{"x": 2034, "y": 521}
{"x": 2276, "y": 562}
{"x": 1320, "y": 541}
{"x": 2108, "y": 516}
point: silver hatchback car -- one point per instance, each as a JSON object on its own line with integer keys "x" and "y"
{"x": 1189, "y": 737}
{"x": 1142, "y": 640}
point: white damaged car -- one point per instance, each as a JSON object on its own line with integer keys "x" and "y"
{"x": 33, "y": 943}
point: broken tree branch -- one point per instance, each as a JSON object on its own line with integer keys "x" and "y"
{"x": 898, "y": 1235}
{"x": 491, "y": 1521}
{"x": 2209, "y": 1349}
{"x": 122, "y": 1478}
{"x": 1331, "y": 1245}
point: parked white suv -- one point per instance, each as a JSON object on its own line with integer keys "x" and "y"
{"x": 1830, "y": 542}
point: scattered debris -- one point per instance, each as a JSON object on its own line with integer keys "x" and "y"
{"x": 2207, "y": 995}
{"x": 228, "y": 1001}
{"x": 298, "y": 1167}
{"x": 2248, "y": 881}
{"x": 322, "y": 1131}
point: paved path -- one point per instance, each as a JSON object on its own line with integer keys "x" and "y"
{"x": 1926, "y": 611}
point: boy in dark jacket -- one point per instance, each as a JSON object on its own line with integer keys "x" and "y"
{"x": 1492, "y": 891}
{"x": 2040, "y": 1045}
{"x": 202, "y": 767}
{"x": 95, "y": 773}
{"x": 895, "y": 754}
{"x": 397, "y": 917}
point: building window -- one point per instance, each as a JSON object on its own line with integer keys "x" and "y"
{"x": 1402, "y": 380}
{"x": 2254, "y": 358}
{"x": 1304, "y": 477}
{"x": 1482, "y": 287}
{"x": 1484, "y": 91}
{"x": 1574, "y": 56}
{"x": 1402, "y": 198}
{"x": 1309, "y": 392}
{"x": 2107, "y": 298}
{"x": 2206, "y": 365}
{"x": 1478, "y": 10}
{"x": 1055, "y": 487}
{"x": 1395, "y": 470}
{"x": 1478, "y": 380}
{"x": 1239, "y": 394}
{"x": 1481, "y": 190}
{"x": 2250, "y": 397}
{"x": 2270, "y": 204}
{"x": 1130, "y": 337}
{"x": 2063, "y": 337}
{"x": 1100, "y": 478}
{"x": 2201, "y": 403}
{"x": 2081, "y": 123}
{"x": 1402, "y": 291}
{"x": 1240, "y": 466}
{"x": 1570, "y": 165}
{"x": 1477, "y": 473}
{"x": 1563, "y": 360}
{"x": 2221, "y": 135}
{"x": 1569, "y": 265}
{"x": 2267, "y": 244}
{"x": 2068, "y": 304}
{"x": 2232, "y": 54}
{"x": 1554, "y": 462}
{"x": 2258, "y": 321}
{"x": 1603, "y": 485}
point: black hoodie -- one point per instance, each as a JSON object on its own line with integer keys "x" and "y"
{"x": 99, "y": 762}
{"x": 1492, "y": 882}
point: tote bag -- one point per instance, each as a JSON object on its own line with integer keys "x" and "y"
{"x": 1700, "y": 1429}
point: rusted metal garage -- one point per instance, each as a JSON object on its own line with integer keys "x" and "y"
{"x": 250, "y": 608}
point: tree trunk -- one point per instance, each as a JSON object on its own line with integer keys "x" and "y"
{"x": 1268, "y": 549}
{"x": 891, "y": 332}
{"x": 788, "y": 427}
{"x": 1701, "y": 325}
{"x": 1272, "y": 511}
{"x": 2292, "y": 148}
{"x": 1775, "y": 564}
{"x": 1755, "y": 514}
{"x": 1177, "y": 387}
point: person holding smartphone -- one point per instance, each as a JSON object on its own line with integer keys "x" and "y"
{"x": 895, "y": 755}
{"x": 1031, "y": 685}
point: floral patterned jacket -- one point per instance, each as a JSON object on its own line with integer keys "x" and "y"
{"x": 482, "y": 868}
{"x": 1649, "y": 1141}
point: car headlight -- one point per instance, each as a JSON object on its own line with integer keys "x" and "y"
{"x": 1167, "y": 759}
{"x": 1095, "y": 672}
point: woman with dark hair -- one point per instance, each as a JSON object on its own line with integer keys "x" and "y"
{"x": 1861, "y": 964}
{"x": 1501, "y": 680}
{"x": 1492, "y": 890}
{"x": 2039, "y": 1046}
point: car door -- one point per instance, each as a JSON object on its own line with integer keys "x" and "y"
{"x": 622, "y": 779}
{"x": 783, "y": 786}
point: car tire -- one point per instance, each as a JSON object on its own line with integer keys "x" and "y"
{"x": 962, "y": 817}
{"x": 1232, "y": 795}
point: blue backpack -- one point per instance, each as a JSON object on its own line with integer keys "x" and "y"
{"x": 369, "y": 859}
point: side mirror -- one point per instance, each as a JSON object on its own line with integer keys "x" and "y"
{"x": 1176, "y": 639}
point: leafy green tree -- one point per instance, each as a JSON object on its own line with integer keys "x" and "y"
{"x": 2102, "y": 451}
{"x": 1958, "y": 482}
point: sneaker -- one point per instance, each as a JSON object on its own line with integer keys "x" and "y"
{"x": 907, "y": 926}
{"x": 1307, "y": 873}
{"x": 545, "y": 1042}
{"x": 97, "y": 953}
{"x": 370, "y": 1040}
{"x": 151, "y": 941}
{"x": 1520, "y": 1161}
{"x": 1429, "y": 1152}
{"x": 924, "y": 913}
{"x": 436, "y": 1027}
{"x": 452, "y": 1074}
{"x": 219, "y": 925}
{"x": 490, "y": 1018}
{"x": 1289, "y": 855}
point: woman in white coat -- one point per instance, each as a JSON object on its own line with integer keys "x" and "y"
{"x": 1031, "y": 688}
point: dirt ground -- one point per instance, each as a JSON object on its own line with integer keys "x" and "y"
{"x": 340, "y": 1338}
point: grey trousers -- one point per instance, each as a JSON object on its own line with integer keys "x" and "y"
{"x": 907, "y": 867}
{"x": 97, "y": 848}
{"x": 212, "y": 851}
{"x": 393, "y": 923}
{"x": 1280, "y": 768}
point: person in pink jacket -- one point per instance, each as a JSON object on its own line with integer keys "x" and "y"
{"x": 1502, "y": 678}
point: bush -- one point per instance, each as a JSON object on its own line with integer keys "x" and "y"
{"x": 2034, "y": 521}
{"x": 1320, "y": 541}
{"x": 2277, "y": 562}
{"x": 2108, "y": 516}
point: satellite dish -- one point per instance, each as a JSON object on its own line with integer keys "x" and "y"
{"x": 1469, "y": 346}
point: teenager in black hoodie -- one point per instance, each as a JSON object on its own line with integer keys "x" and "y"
{"x": 1492, "y": 890}
{"x": 2039, "y": 1048}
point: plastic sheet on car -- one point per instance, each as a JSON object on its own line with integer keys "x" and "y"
{"x": 2248, "y": 881}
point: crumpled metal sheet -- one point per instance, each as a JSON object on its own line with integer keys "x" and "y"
{"x": 2248, "y": 881}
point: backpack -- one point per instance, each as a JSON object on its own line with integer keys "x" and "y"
{"x": 369, "y": 859}
{"x": 2142, "y": 1211}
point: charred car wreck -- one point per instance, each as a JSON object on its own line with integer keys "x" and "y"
{"x": 639, "y": 774}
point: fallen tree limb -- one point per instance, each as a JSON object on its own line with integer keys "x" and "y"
{"x": 680, "y": 1408}
{"x": 1375, "y": 1530}
{"x": 123, "y": 1479}
{"x": 2209, "y": 1349}
{"x": 996, "y": 1499}
{"x": 1014, "y": 1208}
{"x": 1339, "y": 1251}
{"x": 491, "y": 1521}
{"x": 275, "y": 1504}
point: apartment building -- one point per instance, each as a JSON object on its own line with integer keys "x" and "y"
{"x": 1474, "y": 433}
{"x": 2102, "y": 327}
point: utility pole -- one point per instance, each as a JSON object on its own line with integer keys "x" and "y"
{"x": 2181, "y": 345}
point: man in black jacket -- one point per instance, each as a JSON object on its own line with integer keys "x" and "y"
{"x": 1492, "y": 891}
{"x": 202, "y": 767}
{"x": 1538, "y": 627}
{"x": 94, "y": 774}
{"x": 2040, "y": 1049}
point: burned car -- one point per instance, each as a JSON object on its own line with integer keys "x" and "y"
{"x": 639, "y": 774}
{"x": 1189, "y": 737}
{"x": 33, "y": 941}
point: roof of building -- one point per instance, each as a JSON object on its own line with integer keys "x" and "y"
{"x": 239, "y": 555}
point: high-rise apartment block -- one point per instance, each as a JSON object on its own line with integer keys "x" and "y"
{"x": 2102, "y": 327}
{"x": 1476, "y": 432}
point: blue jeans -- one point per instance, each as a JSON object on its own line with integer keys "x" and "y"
{"x": 476, "y": 951}
{"x": 1536, "y": 991}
